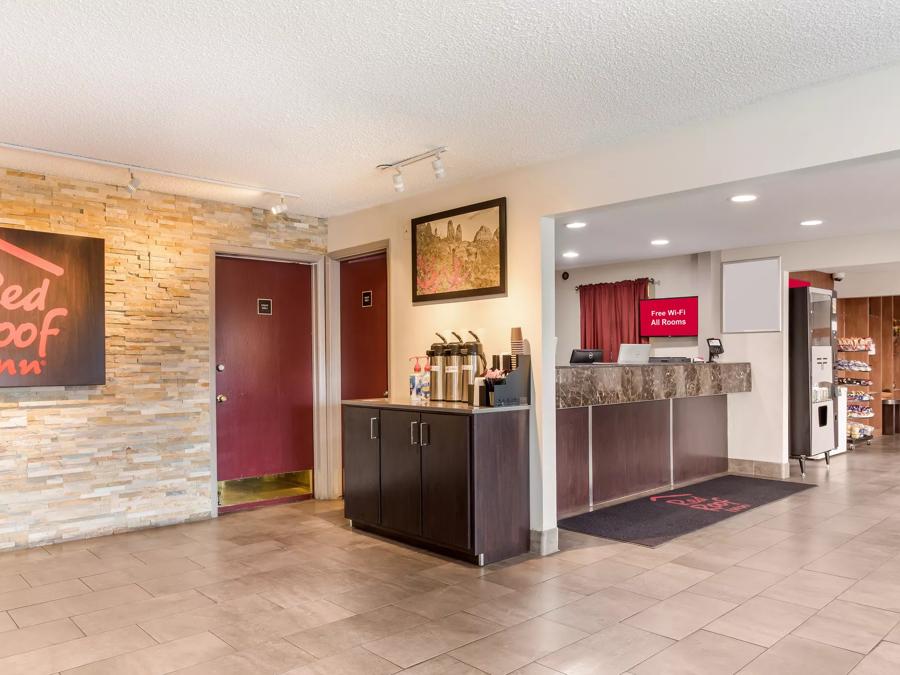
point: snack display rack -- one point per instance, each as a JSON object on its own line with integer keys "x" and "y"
{"x": 854, "y": 372}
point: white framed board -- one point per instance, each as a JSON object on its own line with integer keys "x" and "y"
{"x": 752, "y": 296}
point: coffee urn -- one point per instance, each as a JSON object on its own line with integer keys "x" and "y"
{"x": 473, "y": 362}
{"x": 453, "y": 387}
{"x": 437, "y": 362}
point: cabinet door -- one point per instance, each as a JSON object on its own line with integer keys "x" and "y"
{"x": 401, "y": 472}
{"x": 446, "y": 516}
{"x": 362, "y": 465}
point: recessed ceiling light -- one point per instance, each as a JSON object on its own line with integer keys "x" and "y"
{"x": 576, "y": 226}
{"x": 811, "y": 223}
{"x": 743, "y": 199}
{"x": 570, "y": 254}
{"x": 660, "y": 242}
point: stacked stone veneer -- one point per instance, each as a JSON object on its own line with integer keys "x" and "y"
{"x": 84, "y": 461}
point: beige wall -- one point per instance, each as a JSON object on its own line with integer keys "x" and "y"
{"x": 806, "y": 128}
{"x": 676, "y": 276}
{"x": 86, "y": 461}
{"x": 870, "y": 283}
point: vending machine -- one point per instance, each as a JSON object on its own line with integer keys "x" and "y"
{"x": 812, "y": 341}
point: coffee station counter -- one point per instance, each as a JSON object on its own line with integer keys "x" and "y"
{"x": 444, "y": 476}
{"x": 404, "y": 403}
{"x": 624, "y": 430}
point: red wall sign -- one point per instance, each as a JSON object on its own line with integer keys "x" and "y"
{"x": 669, "y": 317}
{"x": 51, "y": 309}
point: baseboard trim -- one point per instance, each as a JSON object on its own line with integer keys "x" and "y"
{"x": 545, "y": 542}
{"x": 752, "y": 467}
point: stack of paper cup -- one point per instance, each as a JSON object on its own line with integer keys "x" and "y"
{"x": 517, "y": 345}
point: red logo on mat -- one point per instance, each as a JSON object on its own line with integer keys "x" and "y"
{"x": 692, "y": 501}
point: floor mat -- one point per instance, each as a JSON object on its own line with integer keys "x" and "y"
{"x": 651, "y": 521}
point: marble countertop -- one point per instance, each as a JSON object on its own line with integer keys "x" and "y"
{"x": 611, "y": 383}
{"x": 403, "y": 403}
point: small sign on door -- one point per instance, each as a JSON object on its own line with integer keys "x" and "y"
{"x": 367, "y": 298}
{"x": 264, "y": 307}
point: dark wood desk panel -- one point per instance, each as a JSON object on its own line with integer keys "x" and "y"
{"x": 572, "y": 483}
{"x": 630, "y": 448}
{"x": 700, "y": 437}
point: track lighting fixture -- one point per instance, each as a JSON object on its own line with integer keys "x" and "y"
{"x": 134, "y": 183}
{"x": 437, "y": 165}
{"x": 279, "y": 208}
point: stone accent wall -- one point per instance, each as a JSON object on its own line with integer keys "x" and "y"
{"x": 85, "y": 461}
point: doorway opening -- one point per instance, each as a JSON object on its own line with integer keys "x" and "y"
{"x": 264, "y": 381}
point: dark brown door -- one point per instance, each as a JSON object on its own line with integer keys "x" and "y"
{"x": 264, "y": 349}
{"x": 445, "y": 479}
{"x": 362, "y": 468}
{"x": 364, "y": 327}
{"x": 401, "y": 472}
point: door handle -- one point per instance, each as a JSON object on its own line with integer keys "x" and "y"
{"x": 221, "y": 398}
{"x": 412, "y": 434}
{"x": 373, "y": 434}
{"x": 424, "y": 433}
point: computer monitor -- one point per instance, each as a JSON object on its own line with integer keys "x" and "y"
{"x": 585, "y": 356}
{"x": 634, "y": 354}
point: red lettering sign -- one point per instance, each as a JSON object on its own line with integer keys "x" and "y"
{"x": 669, "y": 317}
{"x": 51, "y": 309}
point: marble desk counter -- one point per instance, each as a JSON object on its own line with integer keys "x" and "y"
{"x": 608, "y": 384}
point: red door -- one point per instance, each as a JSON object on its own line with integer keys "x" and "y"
{"x": 364, "y": 327}
{"x": 264, "y": 358}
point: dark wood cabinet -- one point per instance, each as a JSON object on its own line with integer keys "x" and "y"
{"x": 362, "y": 465}
{"x": 401, "y": 472}
{"x": 455, "y": 482}
{"x": 446, "y": 479}
{"x": 630, "y": 446}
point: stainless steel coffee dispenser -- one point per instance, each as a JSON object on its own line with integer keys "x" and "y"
{"x": 473, "y": 362}
{"x": 453, "y": 361}
{"x": 437, "y": 361}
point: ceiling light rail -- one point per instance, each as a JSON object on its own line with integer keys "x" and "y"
{"x": 131, "y": 168}
{"x": 437, "y": 166}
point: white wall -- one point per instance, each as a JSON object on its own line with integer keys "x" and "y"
{"x": 833, "y": 122}
{"x": 676, "y": 276}
{"x": 758, "y": 421}
{"x": 877, "y": 281}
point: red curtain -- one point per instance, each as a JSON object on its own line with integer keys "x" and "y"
{"x": 609, "y": 315}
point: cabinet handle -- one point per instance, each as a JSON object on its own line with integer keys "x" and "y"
{"x": 424, "y": 432}
{"x": 412, "y": 433}
{"x": 373, "y": 434}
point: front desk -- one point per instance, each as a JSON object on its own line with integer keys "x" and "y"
{"x": 622, "y": 430}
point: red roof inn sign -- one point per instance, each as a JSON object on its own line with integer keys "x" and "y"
{"x": 51, "y": 310}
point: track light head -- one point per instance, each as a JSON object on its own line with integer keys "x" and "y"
{"x": 437, "y": 166}
{"x": 399, "y": 185}
{"x": 279, "y": 208}
{"x": 133, "y": 184}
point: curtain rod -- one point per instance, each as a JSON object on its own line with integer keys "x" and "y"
{"x": 654, "y": 282}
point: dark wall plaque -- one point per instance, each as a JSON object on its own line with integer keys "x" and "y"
{"x": 51, "y": 310}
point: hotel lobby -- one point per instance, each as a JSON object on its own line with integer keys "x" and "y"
{"x": 523, "y": 337}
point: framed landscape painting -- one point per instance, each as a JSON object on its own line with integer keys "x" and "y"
{"x": 460, "y": 253}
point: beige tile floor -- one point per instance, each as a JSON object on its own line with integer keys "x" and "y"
{"x": 809, "y": 584}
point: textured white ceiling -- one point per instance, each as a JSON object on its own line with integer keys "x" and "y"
{"x": 853, "y": 197}
{"x": 308, "y": 96}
